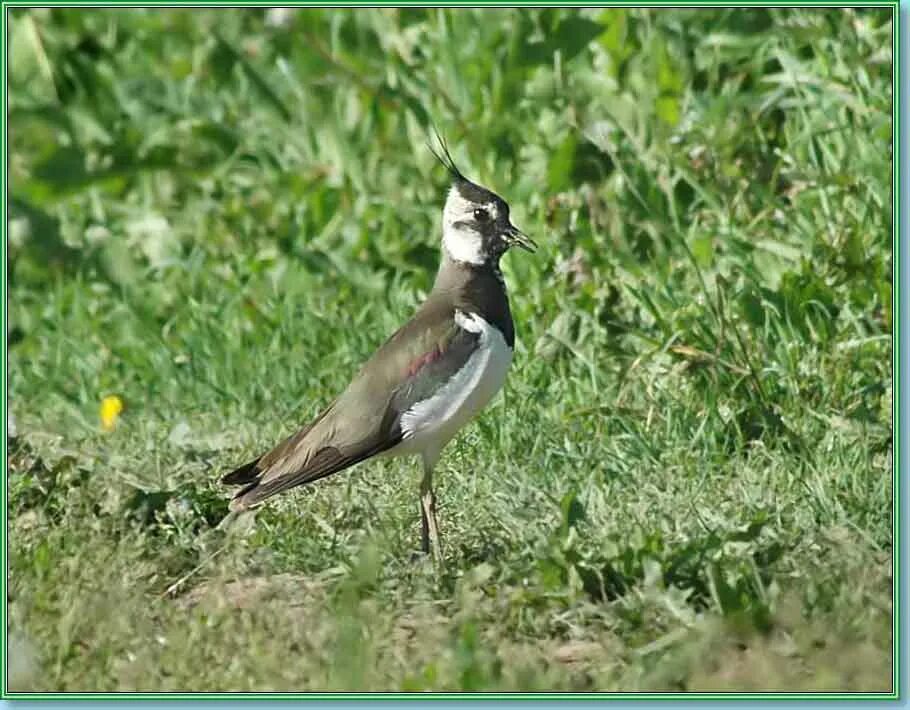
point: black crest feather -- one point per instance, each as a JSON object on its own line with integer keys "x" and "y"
{"x": 445, "y": 157}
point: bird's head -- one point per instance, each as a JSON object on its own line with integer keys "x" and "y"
{"x": 475, "y": 222}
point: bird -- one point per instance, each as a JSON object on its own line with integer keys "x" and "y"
{"x": 427, "y": 380}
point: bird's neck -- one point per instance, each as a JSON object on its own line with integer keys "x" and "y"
{"x": 477, "y": 288}
{"x": 453, "y": 273}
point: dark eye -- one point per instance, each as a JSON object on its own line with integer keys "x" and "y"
{"x": 481, "y": 215}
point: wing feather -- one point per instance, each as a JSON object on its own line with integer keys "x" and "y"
{"x": 365, "y": 420}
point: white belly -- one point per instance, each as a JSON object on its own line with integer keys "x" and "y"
{"x": 429, "y": 425}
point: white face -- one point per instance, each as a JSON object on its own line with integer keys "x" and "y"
{"x": 461, "y": 235}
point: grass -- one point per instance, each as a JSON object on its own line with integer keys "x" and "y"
{"x": 687, "y": 483}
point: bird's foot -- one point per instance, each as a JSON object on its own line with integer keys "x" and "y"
{"x": 421, "y": 559}
{"x": 432, "y": 556}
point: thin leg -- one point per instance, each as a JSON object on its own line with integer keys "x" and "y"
{"x": 429, "y": 528}
{"x": 424, "y": 529}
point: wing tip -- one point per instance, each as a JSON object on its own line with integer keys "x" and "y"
{"x": 247, "y": 476}
{"x": 245, "y": 498}
{"x": 237, "y": 505}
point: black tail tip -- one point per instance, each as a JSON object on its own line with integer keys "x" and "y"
{"x": 248, "y": 473}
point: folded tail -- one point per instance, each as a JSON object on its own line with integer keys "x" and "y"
{"x": 258, "y": 484}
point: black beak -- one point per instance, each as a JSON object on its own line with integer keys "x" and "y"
{"x": 516, "y": 238}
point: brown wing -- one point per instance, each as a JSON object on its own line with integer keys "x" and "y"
{"x": 364, "y": 420}
{"x": 297, "y": 461}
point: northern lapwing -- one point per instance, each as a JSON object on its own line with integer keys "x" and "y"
{"x": 427, "y": 380}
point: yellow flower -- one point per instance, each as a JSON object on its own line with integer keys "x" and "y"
{"x": 110, "y": 409}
